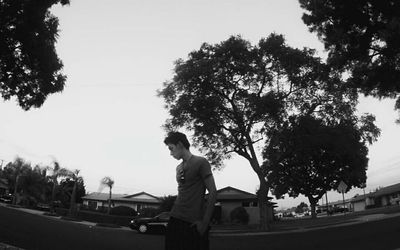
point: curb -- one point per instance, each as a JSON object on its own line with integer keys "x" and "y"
{"x": 4, "y": 246}
{"x": 359, "y": 220}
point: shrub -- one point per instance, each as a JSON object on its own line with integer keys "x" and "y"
{"x": 148, "y": 212}
{"x": 239, "y": 215}
{"x": 123, "y": 211}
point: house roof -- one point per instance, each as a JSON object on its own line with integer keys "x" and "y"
{"x": 231, "y": 194}
{"x": 380, "y": 192}
{"x": 358, "y": 198}
{"x": 141, "y": 197}
{"x": 387, "y": 190}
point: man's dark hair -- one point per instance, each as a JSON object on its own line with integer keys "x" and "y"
{"x": 175, "y": 138}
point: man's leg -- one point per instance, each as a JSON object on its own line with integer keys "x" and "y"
{"x": 181, "y": 235}
{"x": 172, "y": 235}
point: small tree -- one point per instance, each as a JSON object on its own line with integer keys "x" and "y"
{"x": 108, "y": 182}
{"x": 65, "y": 190}
{"x": 167, "y": 202}
{"x": 76, "y": 179}
{"x": 56, "y": 172}
{"x": 311, "y": 156}
{"x": 301, "y": 208}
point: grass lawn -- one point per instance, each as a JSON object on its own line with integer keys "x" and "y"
{"x": 308, "y": 222}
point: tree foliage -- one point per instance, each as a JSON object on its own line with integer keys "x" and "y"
{"x": 167, "y": 202}
{"x": 33, "y": 185}
{"x": 228, "y": 94}
{"x": 30, "y": 69}
{"x": 56, "y": 172}
{"x": 311, "y": 156}
{"x": 363, "y": 39}
{"x": 301, "y": 208}
{"x": 65, "y": 191}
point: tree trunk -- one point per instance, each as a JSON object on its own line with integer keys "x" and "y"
{"x": 53, "y": 196}
{"x": 109, "y": 203}
{"x": 72, "y": 207}
{"x": 14, "y": 201}
{"x": 313, "y": 204}
{"x": 262, "y": 203}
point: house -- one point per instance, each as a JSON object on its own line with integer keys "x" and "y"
{"x": 97, "y": 201}
{"x": 3, "y": 187}
{"x": 358, "y": 203}
{"x": 382, "y": 197}
{"x": 229, "y": 198}
{"x": 339, "y": 205}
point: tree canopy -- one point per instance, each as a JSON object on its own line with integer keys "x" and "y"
{"x": 363, "y": 39}
{"x": 30, "y": 69}
{"x": 311, "y": 156}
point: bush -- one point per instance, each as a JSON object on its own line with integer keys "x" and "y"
{"x": 148, "y": 212}
{"x": 123, "y": 211}
{"x": 104, "y": 218}
{"x": 239, "y": 215}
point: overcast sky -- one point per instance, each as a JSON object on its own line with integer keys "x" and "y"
{"x": 116, "y": 54}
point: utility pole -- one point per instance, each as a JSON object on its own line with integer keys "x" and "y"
{"x": 327, "y": 206}
{"x": 363, "y": 186}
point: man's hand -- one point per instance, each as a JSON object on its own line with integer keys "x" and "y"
{"x": 200, "y": 227}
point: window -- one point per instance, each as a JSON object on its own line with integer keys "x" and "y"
{"x": 245, "y": 204}
{"x": 92, "y": 205}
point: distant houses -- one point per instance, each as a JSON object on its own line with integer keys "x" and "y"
{"x": 229, "y": 198}
{"x": 98, "y": 201}
{"x": 382, "y": 197}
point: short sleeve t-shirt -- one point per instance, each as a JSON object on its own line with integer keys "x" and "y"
{"x": 189, "y": 205}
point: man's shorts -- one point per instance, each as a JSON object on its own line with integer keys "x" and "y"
{"x": 182, "y": 235}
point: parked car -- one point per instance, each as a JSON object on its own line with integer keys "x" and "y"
{"x": 157, "y": 223}
{"x": 338, "y": 210}
{"x": 7, "y": 198}
{"x": 43, "y": 206}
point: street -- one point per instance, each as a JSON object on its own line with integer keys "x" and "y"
{"x": 31, "y": 231}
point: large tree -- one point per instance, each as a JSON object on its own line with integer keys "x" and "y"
{"x": 30, "y": 69}
{"x": 14, "y": 172}
{"x": 363, "y": 40}
{"x": 230, "y": 94}
{"x": 311, "y": 156}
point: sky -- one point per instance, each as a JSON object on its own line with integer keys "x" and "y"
{"x": 116, "y": 55}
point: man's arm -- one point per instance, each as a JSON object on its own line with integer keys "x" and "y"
{"x": 212, "y": 197}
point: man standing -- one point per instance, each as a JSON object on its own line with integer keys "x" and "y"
{"x": 188, "y": 227}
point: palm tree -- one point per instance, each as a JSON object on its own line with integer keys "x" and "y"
{"x": 76, "y": 178}
{"x": 57, "y": 172}
{"x": 107, "y": 181}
